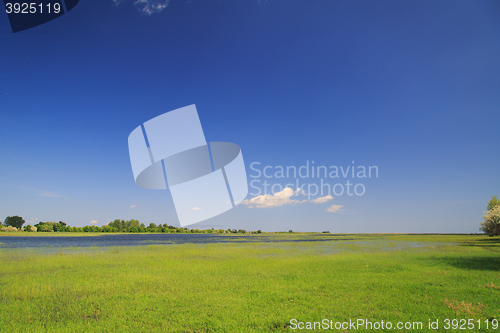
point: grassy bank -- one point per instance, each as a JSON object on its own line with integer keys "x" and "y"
{"x": 252, "y": 287}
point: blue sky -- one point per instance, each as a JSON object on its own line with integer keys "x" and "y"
{"x": 412, "y": 87}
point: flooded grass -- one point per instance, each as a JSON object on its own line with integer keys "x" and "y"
{"x": 249, "y": 286}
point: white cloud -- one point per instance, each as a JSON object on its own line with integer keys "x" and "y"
{"x": 322, "y": 199}
{"x": 273, "y": 200}
{"x": 334, "y": 208}
{"x": 49, "y": 194}
{"x": 133, "y": 206}
{"x": 151, "y": 6}
{"x": 93, "y": 222}
{"x": 282, "y": 198}
{"x": 42, "y": 193}
{"x": 148, "y": 7}
{"x": 196, "y": 208}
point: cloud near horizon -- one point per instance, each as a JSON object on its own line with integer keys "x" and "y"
{"x": 322, "y": 199}
{"x": 280, "y": 199}
{"x": 334, "y": 208}
{"x": 93, "y": 222}
{"x": 49, "y": 194}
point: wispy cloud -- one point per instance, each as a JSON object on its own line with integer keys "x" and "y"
{"x": 49, "y": 194}
{"x": 334, "y": 208}
{"x": 93, "y": 222}
{"x": 322, "y": 199}
{"x": 151, "y": 6}
{"x": 196, "y": 208}
{"x": 42, "y": 193}
{"x": 148, "y": 7}
{"x": 32, "y": 220}
{"x": 282, "y": 198}
{"x": 133, "y": 206}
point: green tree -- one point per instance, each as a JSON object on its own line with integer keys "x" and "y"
{"x": 14, "y": 221}
{"x": 56, "y": 227}
{"x": 29, "y": 228}
{"x": 61, "y": 226}
{"x": 491, "y": 224}
{"x": 44, "y": 227}
{"x": 106, "y": 228}
{"x": 117, "y": 224}
{"x": 494, "y": 202}
{"x": 134, "y": 224}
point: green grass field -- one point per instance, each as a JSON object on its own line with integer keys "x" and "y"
{"x": 254, "y": 287}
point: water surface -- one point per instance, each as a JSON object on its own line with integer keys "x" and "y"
{"x": 12, "y": 242}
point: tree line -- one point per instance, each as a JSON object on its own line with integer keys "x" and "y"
{"x": 15, "y": 223}
{"x": 490, "y": 226}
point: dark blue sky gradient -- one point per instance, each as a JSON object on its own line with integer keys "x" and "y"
{"x": 412, "y": 87}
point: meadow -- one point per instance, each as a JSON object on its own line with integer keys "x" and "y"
{"x": 273, "y": 285}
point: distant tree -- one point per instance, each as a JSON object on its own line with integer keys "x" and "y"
{"x": 14, "y": 221}
{"x": 29, "y": 228}
{"x": 491, "y": 224}
{"x": 116, "y": 224}
{"x": 56, "y": 226}
{"x": 134, "y": 224}
{"x": 45, "y": 227}
{"x": 8, "y": 228}
{"x": 62, "y": 226}
{"x": 494, "y": 202}
{"x": 107, "y": 228}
